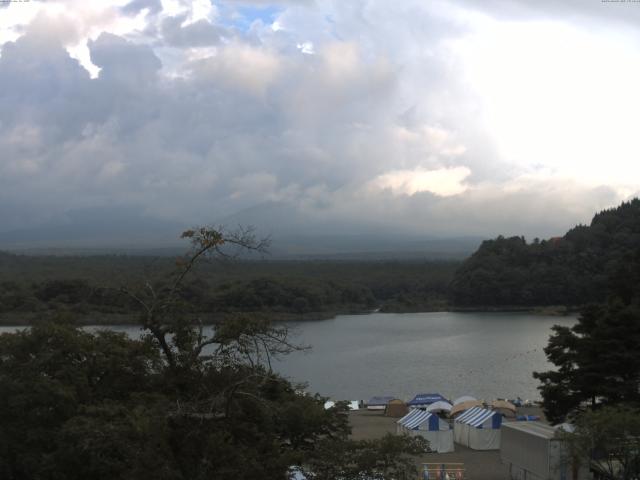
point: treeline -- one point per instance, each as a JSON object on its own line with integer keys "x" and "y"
{"x": 92, "y": 286}
{"x": 581, "y": 267}
{"x": 76, "y": 404}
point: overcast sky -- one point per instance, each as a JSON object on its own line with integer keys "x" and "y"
{"x": 450, "y": 118}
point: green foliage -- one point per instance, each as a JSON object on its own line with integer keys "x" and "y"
{"x": 597, "y": 360}
{"x": 572, "y": 270}
{"x": 54, "y": 375}
{"x": 173, "y": 405}
{"x": 388, "y": 457}
{"x": 79, "y": 405}
{"x": 33, "y": 288}
{"x": 609, "y": 439}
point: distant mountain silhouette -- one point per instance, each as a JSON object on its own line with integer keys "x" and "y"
{"x": 96, "y": 228}
{"x": 103, "y": 230}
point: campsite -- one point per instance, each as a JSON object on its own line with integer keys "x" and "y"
{"x": 471, "y": 446}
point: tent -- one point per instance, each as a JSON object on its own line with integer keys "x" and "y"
{"x": 379, "y": 403}
{"x": 440, "y": 406}
{"x": 464, "y": 398}
{"x": 425, "y": 399}
{"x": 396, "y": 408}
{"x": 429, "y": 426}
{"x": 461, "y": 407}
{"x": 478, "y": 428}
{"x": 506, "y": 409}
{"x": 354, "y": 405}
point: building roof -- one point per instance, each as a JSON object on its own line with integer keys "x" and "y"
{"x": 533, "y": 428}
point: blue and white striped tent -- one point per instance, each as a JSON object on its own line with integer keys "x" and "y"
{"x": 429, "y": 426}
{"x": 478, "y": 428}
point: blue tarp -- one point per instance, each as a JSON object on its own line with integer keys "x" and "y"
{"x": 527, "y": 418}
{"x": 424, "y": 399}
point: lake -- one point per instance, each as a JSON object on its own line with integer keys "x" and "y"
{"x": 486, "y": 355}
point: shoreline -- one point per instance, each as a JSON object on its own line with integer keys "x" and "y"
{"x": 124, "y": 319}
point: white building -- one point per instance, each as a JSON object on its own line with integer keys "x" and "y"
{"x": 534, "y": 451}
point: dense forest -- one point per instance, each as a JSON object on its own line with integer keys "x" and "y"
{"x": 32, "y": 287}
{"x": 579, "y": 268}
{"x": 76, "y": 404}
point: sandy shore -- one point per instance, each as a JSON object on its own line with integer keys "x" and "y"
{"x": 479, "y": 465}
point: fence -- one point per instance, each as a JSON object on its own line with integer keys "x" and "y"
{"x": 443, "y": 471}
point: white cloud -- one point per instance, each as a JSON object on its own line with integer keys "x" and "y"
{"x": 443, "y": 182}
{"x": 239, "y": 66}
{"x": 410, "y": 114}
{"x": 306, "y": 48}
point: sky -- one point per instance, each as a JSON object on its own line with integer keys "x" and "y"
{"x": 443, "y": 118}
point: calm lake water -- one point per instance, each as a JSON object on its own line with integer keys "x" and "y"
{"x": 486, "y": 355}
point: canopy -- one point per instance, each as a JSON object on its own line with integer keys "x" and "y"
{"x": 424, "y": 399}
{"x": 329, "y": 404}
{"x": 480, "y": 418}
{"x": 461, "y": 407}
{"x": 478, "y": 428}
{"x": 464, "y": 398}
{"x": 396, "y": 408}
{"x": 505, "y": 408}
{"x": 429, "y": 426}
{"x": 503, "y": 404}
{"x": 440, "y": 406}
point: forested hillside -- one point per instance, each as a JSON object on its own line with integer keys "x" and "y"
{"x": 572, "y": 270}
{"x": 33, "y": 287}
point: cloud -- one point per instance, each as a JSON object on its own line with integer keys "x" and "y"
{"x": 443, "y": 182}
{"x": 200, "y": 33}
{"x": 624, "y": 12}
{"x": 241, "y": 67}
{"x": 418, "y": 117}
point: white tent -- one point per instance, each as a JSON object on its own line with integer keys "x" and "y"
{"x": 464, "y": 398}
{"x": 478, "y": 428}
{"x": 441, "y": 406}
{"x": 429, "y": 426}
